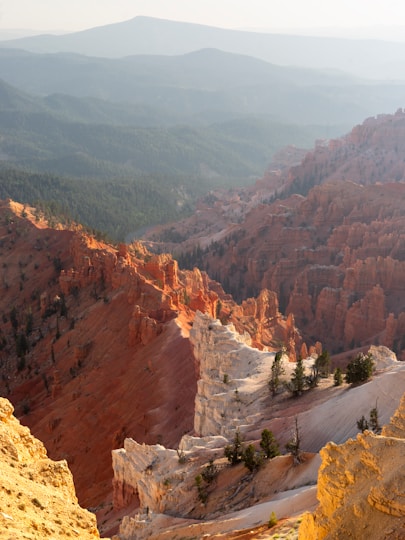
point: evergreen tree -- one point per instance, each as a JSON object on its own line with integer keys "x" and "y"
{"x": 322, "y": 364}
{"x": 362, "y": 424}
{"x": 251, "y": 459}
{"x": 233, "y": 452}
{"x": 294, "y": 444}
{"x": 360, "y": 369}
{"x": 297, "y": 383}
{"x": 276, "y": 371}
{"x": 269, "y": 444}
{"x": 338, "y": 377}
{"x": 374, "y": 421}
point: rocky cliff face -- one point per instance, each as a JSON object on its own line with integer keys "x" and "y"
{"x": 37, "y": 498}
{"x": 361, "y": 487}
{"x": 232, "y": 394}
{"x": 337, "y": 264}
{"x": 232, "y": 391}
{"x": 331, "y": 246}
{"x": 94, "y": 342}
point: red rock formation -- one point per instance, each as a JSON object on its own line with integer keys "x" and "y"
{"x": 324, "y": 252}
{"x": 108, "y": 350}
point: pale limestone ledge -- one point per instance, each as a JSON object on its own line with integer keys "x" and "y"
{"x": 233, "y": 381}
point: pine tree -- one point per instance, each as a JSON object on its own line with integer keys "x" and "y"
{"x": 297, "y": 383}
{"x": 294, "y": 444}
{"x": 269, "y": 444}
{"x": 374, "y": 422}
{"x": 233, "y": 452}
{"x": 338, "y": 377}
{"x": 276, "y": 371}
{"x": 360, "y": 369}
{"x": 322, "y": 364}
{"x": 362, "y": 424}
{"x": 251, "y": 459}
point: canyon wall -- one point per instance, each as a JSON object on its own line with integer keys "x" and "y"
{"x": 327, "y": 237}
{"x": 336, "y": 260}
{"x": 94, "y": 342}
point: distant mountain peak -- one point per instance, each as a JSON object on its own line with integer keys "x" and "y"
{"x": 150, "y": 35}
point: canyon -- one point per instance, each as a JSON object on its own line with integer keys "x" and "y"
{"x": 326, "y": 234}
{"x": 95, "y": 343}
{"x": 118, "y": 350}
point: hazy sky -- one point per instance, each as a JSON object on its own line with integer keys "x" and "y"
{"x": 269, "y": 14}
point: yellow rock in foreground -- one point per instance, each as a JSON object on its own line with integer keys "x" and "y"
{"x": 361, "y": 487}
{"x": 37, "y": 495}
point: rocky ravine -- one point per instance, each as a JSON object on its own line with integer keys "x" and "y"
{"x": 165, "y": 485}
{"x": 37, "y": 495}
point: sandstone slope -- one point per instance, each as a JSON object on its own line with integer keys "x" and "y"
{"x": 37, "y": 495}
{"x": 361, "y": 487}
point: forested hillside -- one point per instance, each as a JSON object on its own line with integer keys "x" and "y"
{"x": 72, "y": 156}
{"x": 125, "y": 143}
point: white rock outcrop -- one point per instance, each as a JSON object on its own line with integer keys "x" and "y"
{"x": 233, "y": 378}
{"x": 233, "y": 393}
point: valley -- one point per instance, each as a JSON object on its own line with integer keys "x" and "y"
{"x": 202, "y": 248}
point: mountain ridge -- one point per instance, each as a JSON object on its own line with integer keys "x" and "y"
{"x": 159, "y": 36}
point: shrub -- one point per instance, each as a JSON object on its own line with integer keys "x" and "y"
{"x": 360, "y": 369}
{"x": 273, "y": 520}
{"x": 182, "y": 456}
{"x": 210, "y": 472}
{"x": 338, "y": 377}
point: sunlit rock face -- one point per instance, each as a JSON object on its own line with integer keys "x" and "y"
{"x": 361, "y": 487}
{"x": 37, "y": 498}
{"x": 233, "y": 378}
